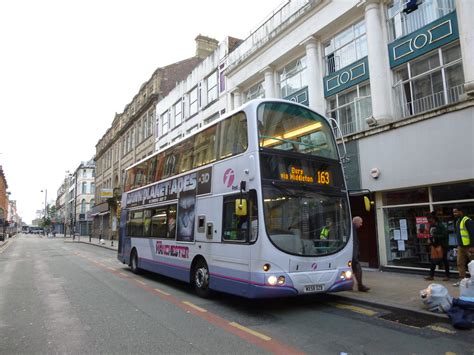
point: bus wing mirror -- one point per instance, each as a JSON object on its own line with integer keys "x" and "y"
{"x": 240, "y": 207}
{"x": 367, "y": 203}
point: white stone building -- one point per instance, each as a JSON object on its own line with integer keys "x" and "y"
{"x": 397, "y": 77}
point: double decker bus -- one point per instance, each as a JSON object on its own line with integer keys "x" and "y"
{"x": 254, "y": 204}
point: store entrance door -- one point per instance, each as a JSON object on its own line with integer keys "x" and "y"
{"x": 368, "y": 249}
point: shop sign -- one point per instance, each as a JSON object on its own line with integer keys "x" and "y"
{"x": 422, "y": 227}
{"x": 106, "y": 193}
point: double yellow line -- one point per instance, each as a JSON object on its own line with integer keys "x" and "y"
{"x": 5, "y": 248}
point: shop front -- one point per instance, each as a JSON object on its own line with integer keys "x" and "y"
{"x": 418, "y": 166}
{"x": 405, "y": 228}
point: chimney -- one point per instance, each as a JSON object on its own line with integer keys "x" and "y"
{"x": 205, "y": 46}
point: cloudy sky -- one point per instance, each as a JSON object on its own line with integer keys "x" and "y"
{"x": 66, "y": 67}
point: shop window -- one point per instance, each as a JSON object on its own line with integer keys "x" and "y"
{"x": 404, "y": 197}
{"x": 453, "y": 192}
{"x": 407, "y": 233}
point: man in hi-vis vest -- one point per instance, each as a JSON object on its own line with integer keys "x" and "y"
{"x": 464, "y": 228}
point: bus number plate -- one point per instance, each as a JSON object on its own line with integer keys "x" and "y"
{"x": 314, "y": 288}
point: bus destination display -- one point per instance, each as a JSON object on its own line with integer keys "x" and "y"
{"x": 299, "y": 175}
{"x": 301, "y": 171}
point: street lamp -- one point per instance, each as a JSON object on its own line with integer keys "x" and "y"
{"x": 66, "y": 199}
{"x": 45, "y": 207}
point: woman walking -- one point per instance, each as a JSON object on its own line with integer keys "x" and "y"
{"x": 439, "y": 246}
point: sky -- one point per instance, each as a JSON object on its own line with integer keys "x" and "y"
{"x": 67, "y": 66}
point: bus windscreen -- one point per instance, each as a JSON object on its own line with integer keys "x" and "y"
{"x": 293, "y": 128}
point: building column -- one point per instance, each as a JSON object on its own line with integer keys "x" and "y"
{"x": 237, "y": 98}
{"x": 379, "y": 68}
{"x": 269, "y": 84}
{"x": 315, "y": 75}
{"x": 464, "y": 11}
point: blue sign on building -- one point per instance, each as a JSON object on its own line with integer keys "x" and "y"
{"x": 346, "y": 77}
{"x": 300, "y": 96}
{"x": 436, "y": 34}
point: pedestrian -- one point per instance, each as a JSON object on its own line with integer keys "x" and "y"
{"x": 438, "y": 241}
{"x": 464, "y": 229}
{"x": 356, "y": 268}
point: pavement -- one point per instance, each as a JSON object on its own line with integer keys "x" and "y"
{"x": 396, "y": 291}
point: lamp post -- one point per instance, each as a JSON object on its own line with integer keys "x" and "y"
{"x": 66, "y": 200}
{"x": 45, "y": 207}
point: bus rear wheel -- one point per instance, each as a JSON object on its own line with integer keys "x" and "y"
{"x": 201, "y": 279}
{"x": 134, "y": 262}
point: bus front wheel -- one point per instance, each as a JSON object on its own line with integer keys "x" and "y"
{"x": 134, "y": 262}
{"x": 201, "y": 279}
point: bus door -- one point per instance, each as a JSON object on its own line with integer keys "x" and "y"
{"x": 239, "y": 232}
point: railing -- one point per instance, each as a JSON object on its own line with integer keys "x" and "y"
{"x": 351, "y": 117}
{"x": 455, "y": 92}
{"x": 430, "y": 102}
{"x": 280, "y": 19}
{"x": 402, "y": 24}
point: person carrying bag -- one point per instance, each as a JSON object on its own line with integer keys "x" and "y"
{"x": 439, "y": 243}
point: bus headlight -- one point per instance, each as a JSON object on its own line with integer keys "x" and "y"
{"x": 349, "y": 263}
{"x": 346, "y": 275}
{"x": 272, "y": 280}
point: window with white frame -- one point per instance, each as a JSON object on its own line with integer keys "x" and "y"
{"x": 434, "y": 80}
{"x": 140, "y": 130}
{"x": 345, "y": 48}
{"x": 255, "y": 92}
{"x": 192, "y": 129}
{"x": 84, "y": 187}
{"x": 351, "y": 108}
{"x": 400, "y": 24}
{"x": 164, "y": 123}
{"x": 151, "y": 121}
{"x": 83, "y": 206}
{"x": 145, "y": 127}
{"x": 212, "y": 88}
{"x": 222, "y": 77}
{"x": 178, "y": 113}
{"x": 193, "y": 101}
{"x": 293, "y": 77}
